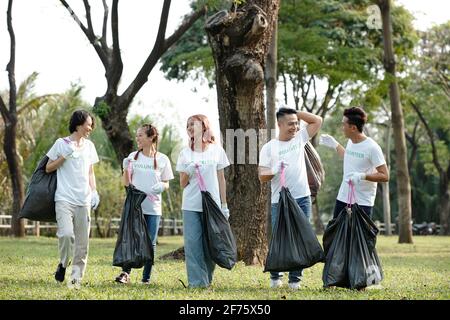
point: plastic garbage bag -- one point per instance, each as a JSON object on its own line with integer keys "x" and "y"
{"x": 219, "y": 237}
{"x": 220, "y": 242}
{"x": 364, "y": 267}
{"x": 349, "y": 243}
{"x": 294, "y": 244}
{"x": 335, "y": 245}
{"x": 39, "y": 204}
{"x": 133, "y": 246}
{"x": 314, "y": 169}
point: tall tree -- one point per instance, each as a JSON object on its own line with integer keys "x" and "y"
{"x": 10, "y": 118}
{"x": 111, "y": 107}
{"x": 403, "y": 181}
{"x": 240, "y": 39}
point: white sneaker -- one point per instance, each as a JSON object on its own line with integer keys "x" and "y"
{"x": 294, "y": 285}
{"x": 277, "y": 283}
{"x": 74, "y": 284}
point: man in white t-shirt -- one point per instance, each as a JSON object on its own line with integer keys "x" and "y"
{"x": 288, "y": 150}
{"x": 364, "y": 163}
{"x": 73, "y": 158}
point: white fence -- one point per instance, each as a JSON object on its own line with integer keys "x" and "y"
{"x": 167, "y": 226}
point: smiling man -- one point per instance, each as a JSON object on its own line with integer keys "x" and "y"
{"x": 364, "y": 163}
{"x": 288, "y": 150}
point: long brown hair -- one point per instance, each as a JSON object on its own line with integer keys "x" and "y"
{"x": 150, "y": 131}
{"x": 207, "y": 135}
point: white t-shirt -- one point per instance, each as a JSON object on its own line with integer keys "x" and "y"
{"x": 364, "y": 156}
{"x": 73, "y": 175}
{"x": 291, "y": 152}
{"x": 144, "y": 177}
{"x": 212, "y": 159}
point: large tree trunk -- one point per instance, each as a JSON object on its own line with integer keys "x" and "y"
{"x": 10, "y": 147}
{"x": 240, "y": 40}
{"x": 403, "y": 183}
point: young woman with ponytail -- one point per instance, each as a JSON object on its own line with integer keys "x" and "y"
{"x": 150, "y": 172}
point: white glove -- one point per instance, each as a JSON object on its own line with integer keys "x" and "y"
{"x": 68, "y": 149}
{"x": 158, "y": 187}
{"x": 95, "y": 199}
{"x": 190, "y": 169}
{"x": 277, "y": 167}
{"x": 225, "y": 211}
{"x": 355, "y": 177}
{"x": 328, "y": 141}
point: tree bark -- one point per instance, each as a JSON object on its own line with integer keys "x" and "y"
{"x": 403, "y": 182}
{"x": 240, "y": 40}
{"x": 9, "y": 143}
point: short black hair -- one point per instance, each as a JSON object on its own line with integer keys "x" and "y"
{"x": 356, "y": 116}
{"x": 284, "y": 111}
{"x": 78, "y": 118}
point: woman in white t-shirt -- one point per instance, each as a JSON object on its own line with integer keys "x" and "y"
{"x": 210, "y": 159}
{"x": 150, "y": 172}
{"x": 73, "y": 158}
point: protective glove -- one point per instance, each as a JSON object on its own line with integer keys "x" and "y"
{"x": 225, "y": 211}
{"x": 158, "y": 188}
{"x": 95, "y": 199}
{"x": 277, "y": 167}
{"x": 355, "y": 177}
{"x": 328, "y": 141}
{"x": 190, "y": 169}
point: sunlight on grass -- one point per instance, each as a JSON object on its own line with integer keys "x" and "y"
{"x": 417, "y": 271}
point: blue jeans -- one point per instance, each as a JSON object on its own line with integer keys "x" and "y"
{"x": 199, "y": 266}
{"x": 153, "y": 226}
{"x": 304, "y": 204}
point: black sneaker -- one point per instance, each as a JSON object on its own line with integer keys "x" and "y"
{"x": 60, "y": 273}
{"x": 123, "y": 278}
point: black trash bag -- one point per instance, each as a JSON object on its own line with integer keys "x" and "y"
{"x": 349, "y": 244}
{"x": 364, "y": 267}
{"x": 220, "y": 241}
{"x": 39, "y": 204}
{"x": 314, "y": 169}
{"x": 133, "y": 246}
{"x": 294, "y": 244}
{"x": 335, "y": 244}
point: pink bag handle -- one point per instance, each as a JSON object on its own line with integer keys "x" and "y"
{"x": 201, "y": 181}
{"x": 283, "y": 175}
{"x": 351, "y": 194}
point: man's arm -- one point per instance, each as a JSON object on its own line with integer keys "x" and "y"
{"x": 382, "y": 174}
{"x": 314, "y": 122}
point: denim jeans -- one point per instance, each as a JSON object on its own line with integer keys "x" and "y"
{"x": 304, "y": 204}
{"x": 153, "y": 226}
{"x": 341, "y": 205}
{"x": 199, "y": 265}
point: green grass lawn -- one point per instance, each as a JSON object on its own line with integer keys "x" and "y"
{"x": 418, "y": 271}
